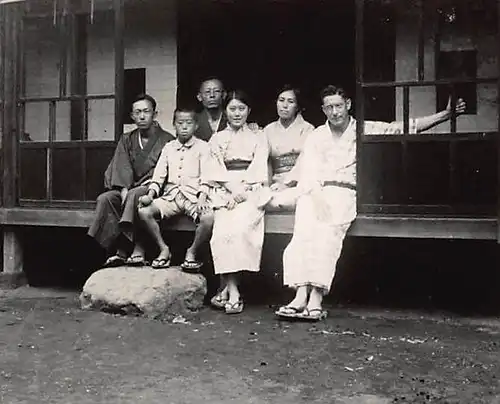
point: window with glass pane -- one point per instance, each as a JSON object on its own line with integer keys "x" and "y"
{"x": 441, "y": 51}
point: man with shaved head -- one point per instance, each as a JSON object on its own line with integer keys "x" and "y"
{"x": 211, "y": 119}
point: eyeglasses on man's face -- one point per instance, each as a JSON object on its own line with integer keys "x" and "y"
{"x": 209, "y": 92}
{"x": 139, "y": 112}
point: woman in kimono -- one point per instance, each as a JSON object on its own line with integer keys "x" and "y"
{"x": 286, "y": 137}
{"x": 238, "y": 171}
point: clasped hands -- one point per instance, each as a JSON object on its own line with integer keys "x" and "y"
{"x": 238, "y": 191}
{"x": 202, "y": 203}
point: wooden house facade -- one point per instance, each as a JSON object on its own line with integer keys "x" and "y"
{"x": 69, "y": 69}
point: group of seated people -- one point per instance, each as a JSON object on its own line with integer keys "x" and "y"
{"x": 224, "y": 173}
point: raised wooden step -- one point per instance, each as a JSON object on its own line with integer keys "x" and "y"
{"x": 400, "y": 226}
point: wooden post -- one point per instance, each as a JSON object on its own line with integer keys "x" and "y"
{"x": 119, "y": 11}
{"x": 360, "y": 107}
{"x": 11, "y": 23}
{"x": 10, "y": 38}
{"x": 421, "y": 40}
{"x": 12, "y": 275}
{"x": 498, "y": 122}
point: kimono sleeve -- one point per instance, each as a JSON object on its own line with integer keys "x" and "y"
{"x": 309, "y": 170}
{"x": 160, "y": 172}
{"x": 215, "y": 170}
{"x": 294, "y": 174}
{"x": 266, "y": 133}
{"x": 392, "y": 128}
{"x": 120, "y": 172}
{"x": 205, "y": 162}
{"x": 258, "y": 170}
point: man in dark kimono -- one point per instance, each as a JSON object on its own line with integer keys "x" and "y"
{"x": 125, "y": 180}
{"x": 212, "y": 118}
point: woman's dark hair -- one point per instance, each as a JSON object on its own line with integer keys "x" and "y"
{"x": 145, "y": 97}
{"x": 237, "y": 95}
{"x": 333, "y": 90}
{"x": 296, "y": 92}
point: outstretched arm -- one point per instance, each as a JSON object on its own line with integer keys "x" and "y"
{"x": 427, "y": 122}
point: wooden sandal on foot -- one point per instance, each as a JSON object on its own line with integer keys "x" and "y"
{"x": 234, "y": 308}
{"x": 218, "y": 301}
{"x": 289, "y": 311}
{"x": 316, "y": 314}
{"x": 114, "y": 261}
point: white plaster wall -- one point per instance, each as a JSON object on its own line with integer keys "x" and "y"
{"x": 423, "y": 99}
{"x": 150, "y": 43}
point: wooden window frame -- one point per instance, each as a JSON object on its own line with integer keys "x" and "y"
{"x": 453, "y": 137}
{"x": 65, "y": 22}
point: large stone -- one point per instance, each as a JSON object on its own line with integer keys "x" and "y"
{"x": 154, "y": 293}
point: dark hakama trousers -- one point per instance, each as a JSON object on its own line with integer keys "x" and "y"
{"x": 113, "y": 219}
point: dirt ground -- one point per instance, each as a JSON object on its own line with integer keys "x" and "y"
{"x": 53, "y": 352}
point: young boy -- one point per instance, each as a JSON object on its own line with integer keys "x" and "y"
{"x": 177, "y": 188}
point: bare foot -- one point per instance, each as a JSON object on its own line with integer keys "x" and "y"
{"x": 138, "y": 251}
{"x": 163, "y": 259}
{"x": 190, "y": 255}
{"x": 300, "y": 300}
{"x": 137, "y": 258}
{"x": 315, "y": 299}
{"x": 224, "y": 293}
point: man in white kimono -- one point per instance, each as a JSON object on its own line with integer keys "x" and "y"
{"x": 327, "y": 203}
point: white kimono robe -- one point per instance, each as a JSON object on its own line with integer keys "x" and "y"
{"x": 325, "y": 212}
{"x": 238, "y": 233}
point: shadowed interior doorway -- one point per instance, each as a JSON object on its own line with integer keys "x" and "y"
{"x": 260, "y": 45}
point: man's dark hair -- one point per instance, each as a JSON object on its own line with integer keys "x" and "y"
{"x": 296, "y": 91}
{"x": 145, "y": 97}
{"x": 333, "y": 90}
{"x": 184, "y": 108}
{"x": 211, "y": 78}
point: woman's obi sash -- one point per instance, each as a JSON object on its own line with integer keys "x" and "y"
{"x": 237, "y": 165}
{"x": 284, "y": 163}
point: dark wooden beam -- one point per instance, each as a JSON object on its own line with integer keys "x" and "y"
{"x": 428, "y": 83}
{"x": 2, "y": 59}
{"x": 73, "y": 97}
{"x": 498, "y": 116}
{"x": 454, "y": 184}
{"x": 2, "y": 90}
{"x": 119, "y": 10}
{"x": 10, "y": 36}
{"x": 21, "y": 59}
{"x": 50, "y": 155}
{"x": 78, "y": 52}
{"x": 64, "y": 39}
{"x": 395, "y": 226}
{"x": 360, "y": 107}
{"x": 424, "y": 227}
{"x": 433, "y": 137}
{"x": 421, "y": 40}
{"x": 455, "y": 210}
{"x": 404, "y": 143}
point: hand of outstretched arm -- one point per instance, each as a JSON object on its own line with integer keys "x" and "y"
{"x": 427, "y": 122}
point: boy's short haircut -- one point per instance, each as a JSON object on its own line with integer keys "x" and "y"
{"x": 186, "y": 109}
